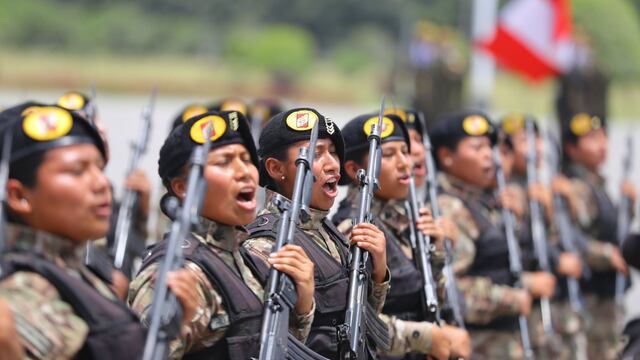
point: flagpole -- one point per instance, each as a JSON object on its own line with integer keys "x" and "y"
{"x": 482, "y": 71}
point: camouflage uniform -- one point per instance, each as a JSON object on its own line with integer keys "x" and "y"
{"x": 261, "y": 246}
{"x": 565, "y": 321}
{"x": 48, "y": 326}
{"x": 406, "y": 336}
{"x": 486, "y": 301}
{"x": 604, "y": 329}
{"x": 211, "y": 320}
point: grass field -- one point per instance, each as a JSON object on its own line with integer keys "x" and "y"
{"x": 201, "y": 76}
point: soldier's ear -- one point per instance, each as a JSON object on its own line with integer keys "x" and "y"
{"x": 351, "y": 168}
{"x": 275, "y": 168}
{"x": 179, "y": 186}
{"x": 571, "y": 150}
{"x": 444, "y": 156}
{"x": 18, "y": 198}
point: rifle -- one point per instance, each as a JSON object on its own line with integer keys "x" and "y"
{"x": 538, "y": 232}
{"x": 166, "y": 312}
{"x": 624, "y": 209}
{"x": 567, "y": 234}
{"x": 361, "y": 319}
{"x": 130, "y": 197}
{"x": 4, "y": 177}
{"x": 422, "y": 250}
{"x": 275, "y": 340}
{"x": 515, "y": 263}
{"x": 451, "y": 286}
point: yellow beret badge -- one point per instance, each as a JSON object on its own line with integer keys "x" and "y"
{"x": 47, "y": 123}
{"x": 513, "y": 123}
{"x": 202, "y": 126}
{"x": 582, "y": 123}
{"x": 475, "y": 125}
{"x": 387, "y": 126}
{"x": 192, "y": 111}
{"x": 301, "y": 120}
{"x": 71, "y": 101}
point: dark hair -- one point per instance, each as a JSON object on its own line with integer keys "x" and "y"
{"x": 25, "y": 171}
{"x": 453, "y": 146}
{"x": 356, "y": 156}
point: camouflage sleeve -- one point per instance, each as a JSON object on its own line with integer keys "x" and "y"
{"x": 378, "y": 294}
{"x": 464, "y": 250}
{"x": 209, "y": 323}
{"x": 299, "y": 324}
{"x": 598, "y": 253}
{"x": 408, "y": 336}
{"x": 47, "y": 326}
{"x": 486, "y": 300}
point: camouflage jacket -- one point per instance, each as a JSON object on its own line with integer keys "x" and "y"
{"x": 485, "y": 300}
{"x": 261, "y": 246}
{"x": 211, "y": 320}
{"x": 406, "y": 336}
{"x": 598, "y": 252}
{"x": 48, "y": 326}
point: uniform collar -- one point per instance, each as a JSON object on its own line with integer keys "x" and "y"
{"x": 224, "y": 237}
{"x": 455, "y": 186}
{"x": 316, "y": 216}
{"x": 59, "y": 250}
{"x": 579, "y": 171}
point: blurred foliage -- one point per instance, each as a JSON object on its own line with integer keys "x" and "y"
{"x": 614, "y": 29}
{"x": 354, "y": 35}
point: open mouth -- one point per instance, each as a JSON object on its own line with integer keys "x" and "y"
{"x": 246, "y": 198}
{"x": 404, "y": 179}
{"x": 103, "y": 210}
{"x": 419, "y": 169}
{"x": 330, "y": 187}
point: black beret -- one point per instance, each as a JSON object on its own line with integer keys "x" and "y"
{"x": 38, "y": 128}
{"x": 357, "y": 131}
{"x": 452, "y": 127}
{"x": 229, "y": 128}
{"x": 411, "y": 118}
{"x": 292, "y": 126}
{"x": 581, "y": 124}
{"x": 188, "y": 112}
{"x": 232, "y": 104}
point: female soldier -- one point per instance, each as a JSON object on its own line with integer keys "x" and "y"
{"x": 226, "y": 296}
{"x": 280, "y": 142}
{"x": 58, "y": 198}
{"x": 412, "y": 337}
{"x": 462, "y": 147}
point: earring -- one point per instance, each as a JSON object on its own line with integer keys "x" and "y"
{"x": 448, "y": 161}
{"x": 24, "y": 201}
{"x": 283, "y": 177}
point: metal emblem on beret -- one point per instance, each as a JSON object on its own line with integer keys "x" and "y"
{"x": 387, "y": 126}
{"x": 47, "y": 123}
{"x": 397, "y": 112}
{"x": 72, "y": 101}
{"x": 202, "y": 126}
{"x": 475, "y": 125}
{"x": 193, "y": 111}
{"x": 582, "y": 123}
{"x": 301, "y": 120}
{"x": 233, "y": 120}
{"x": 513, "y": 123}
{"x": 328, "y": 123}
{"x": 234, "y": 105}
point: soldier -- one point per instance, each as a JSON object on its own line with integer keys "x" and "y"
{"x": 412, "y": 336}
{"x": 98, "y": 258}
{"x": 565, "y": 321}
{"x": 280, "y": 142}
{"x": 462, "y": 145}
{"x": 227, "y": 298}
{"x": 585, "y": 147}
{"x": 58, "y": 199}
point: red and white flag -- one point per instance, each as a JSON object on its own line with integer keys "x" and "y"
{"x": 533, "y": 38}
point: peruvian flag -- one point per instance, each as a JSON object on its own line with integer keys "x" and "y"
{"x": 533, "y": 38}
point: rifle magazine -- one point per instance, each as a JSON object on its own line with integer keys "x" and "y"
{"x": 298, "y": 351}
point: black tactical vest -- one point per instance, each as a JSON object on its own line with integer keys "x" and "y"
{"x": 603, "y": 283}
{"x": 115, "y": 332}
{"x": 491, "y": 260}
{"x": 331, "y": 280}
{"x": 403, "y": 299}
{"x": 242, "y": 339}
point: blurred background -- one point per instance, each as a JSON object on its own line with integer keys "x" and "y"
{"x": 338, "y": 56}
